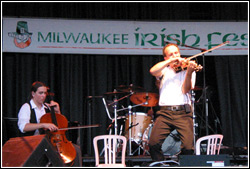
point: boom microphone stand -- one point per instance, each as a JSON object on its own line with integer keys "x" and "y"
{"x": 205, "y": 100}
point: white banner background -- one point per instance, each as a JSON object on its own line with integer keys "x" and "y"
{"x": 121, "y": 37}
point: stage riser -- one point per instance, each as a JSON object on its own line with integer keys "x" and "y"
{"x": 144, "y": 161}
{"x": 204, "y": 160}
{"x": 30, "y": 151}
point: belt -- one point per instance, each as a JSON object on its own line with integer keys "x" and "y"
{"x": 173, "y": 108}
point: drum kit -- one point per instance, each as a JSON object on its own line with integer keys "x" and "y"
{"x": 138, "y": 125}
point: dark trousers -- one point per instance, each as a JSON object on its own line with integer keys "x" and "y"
{"x": 78, "y": 160}
{"x": 167, "y": 121}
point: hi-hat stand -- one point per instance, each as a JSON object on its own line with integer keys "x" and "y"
{"x": 113, "y": 120}
{"x": 115, "y": 108}
{"x": 129, "y": 108}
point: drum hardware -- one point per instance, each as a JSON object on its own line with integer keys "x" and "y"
{"x": 131, "y": 88}
{"x": 112, "y": 123}
{"x": 129, "y": 108}
{"x": 114, "y": 93}
{"x": 115, "y": 101}
{"x": 145, "y": 99}
{"x": 149, "y": 99}
{"x": 115, "y": 113}
{"x": 135, "y": 132}
{"x": 129, "y": 115}
{"x": 131, "y": 125}
{"x": 114, "y": 120}
{"x": 138, "y": 149}
{"x": 110, "y": 133}
{"x": 115, "y": 104}
{"x": 139, "y": 98}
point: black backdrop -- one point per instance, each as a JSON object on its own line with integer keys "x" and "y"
{"x": 74, "y": 77}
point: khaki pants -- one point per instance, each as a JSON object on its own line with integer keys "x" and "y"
{"x": 167, "y": 121}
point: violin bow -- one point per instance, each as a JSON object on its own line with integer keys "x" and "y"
{"x": 79, "y": 127}
{"x": 220, "y": 45}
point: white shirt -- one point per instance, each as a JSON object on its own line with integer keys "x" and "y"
{"x": 171, "y": 88}
{"x": 24, "y": 115}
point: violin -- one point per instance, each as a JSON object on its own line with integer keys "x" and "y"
{"x": 58, "y": 139}
{"x": 183, "y": 66}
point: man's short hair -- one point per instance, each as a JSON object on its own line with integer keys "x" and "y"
{"x": 169, "y": 44}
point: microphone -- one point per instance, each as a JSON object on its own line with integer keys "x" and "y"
{"x": 133, "y": 125}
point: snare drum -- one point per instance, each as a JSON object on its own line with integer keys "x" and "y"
{"x": 139, "y": 123}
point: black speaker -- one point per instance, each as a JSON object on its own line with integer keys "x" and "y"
{"x": 205, "y": 160}
{"x": 30, "y": 151}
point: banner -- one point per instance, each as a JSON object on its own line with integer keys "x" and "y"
{"x": 63, "y": 36}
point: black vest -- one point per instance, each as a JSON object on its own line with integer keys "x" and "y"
{"x": 33, "y": 120}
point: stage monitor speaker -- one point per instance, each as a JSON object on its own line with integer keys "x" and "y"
{"x": 30, "y": 151}
{"x": 204, "y": 160}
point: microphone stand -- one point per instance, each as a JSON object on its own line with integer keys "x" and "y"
{"x": 181, "y": 44}
{"x": 205, "y": 100}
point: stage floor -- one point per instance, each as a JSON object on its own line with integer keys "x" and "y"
{"x": 174, "y": 161}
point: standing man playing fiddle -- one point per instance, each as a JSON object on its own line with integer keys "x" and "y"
{"x": 175, "y": 102}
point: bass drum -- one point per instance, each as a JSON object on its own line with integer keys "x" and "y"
{"x": 171, "y": 145}
{"x": 140, "y": 121}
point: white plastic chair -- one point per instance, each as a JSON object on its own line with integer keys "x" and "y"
{"x": 111, "y": 143}
{"x": 213, "y": 144}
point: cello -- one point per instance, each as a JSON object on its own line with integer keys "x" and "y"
{"x": 58, "y": 138}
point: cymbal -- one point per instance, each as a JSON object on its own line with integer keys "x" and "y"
{"x": 152, "y": 99}
{"x": 130, "y": 88}
{"x": 114, "y": 93}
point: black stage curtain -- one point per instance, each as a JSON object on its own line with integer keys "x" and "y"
{"x": 75, "y": 77}
{"x": 232, "y": 81}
